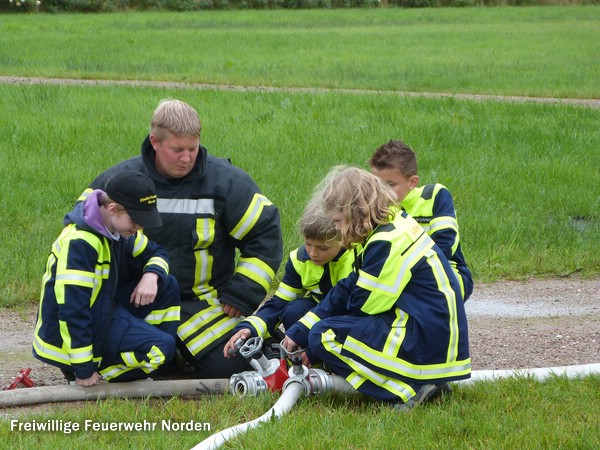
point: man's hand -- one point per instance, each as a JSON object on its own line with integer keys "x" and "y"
{"x": 145, "y": 291}
{"x": 244, "y": 334}
{"x": 231, "y": 311}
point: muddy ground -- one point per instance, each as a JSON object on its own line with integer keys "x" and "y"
{"x": 537, "y": 323}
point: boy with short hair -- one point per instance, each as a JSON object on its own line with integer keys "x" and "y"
{"x": 310, "y": 272}
{"x": 431, "y": 205}
{"x": 108, "y": 308}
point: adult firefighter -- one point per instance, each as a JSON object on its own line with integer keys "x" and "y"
{"x": 210, "y": 209}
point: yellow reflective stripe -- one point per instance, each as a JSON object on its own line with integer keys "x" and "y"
{"x": 84, "y": 195}
{"x": 158, "y": 316}
{"x": 158, "y": 261}
{"x": 398, "y": 333}
{"x": 197, "y": 321}
{"x": 140, "y": 244}
{"x": 389, "y": 292}
{"x": 257, "y": 270}
{"x": 446, "y": 223}
{"x": 442, "y": 223}
{"x": 76, "y": 355}
{"x": 259, "y": 325}
{"x": 209, "y": 335}
{"x": 205, "y": 230}
{"x": 444, "y": 286}
{"x": 154, "y": 359}
{"x": 459, "y": 277}
{"x": 54, "y": 353}
{"x": 404, "y": 368}
{"x": 251, "y": 216}
{"x": 309, "y": 319}
{"x": 396, "y": 387}
{"x": 77, "y": 278}
{"x": 49, "y": 351}
{"x": 87, "y": 279}
{"x": 355, "y": 380}
{"x": 287, "y": 292}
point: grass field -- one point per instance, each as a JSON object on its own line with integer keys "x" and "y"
{"x": 524, "y": 175}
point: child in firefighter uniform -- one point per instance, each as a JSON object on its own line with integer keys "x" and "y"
{"x": 431, "y": 205}
{"x": 109, "y": 308}
{"x": 310, "y": 272}
{"x": 396, "y": 328}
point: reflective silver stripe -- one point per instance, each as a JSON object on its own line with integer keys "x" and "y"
{"x": 140, "y": 243}
{"x": 49, "y": 351}
{"x": 444, "y": 284}
{"x": 395, "y": 386}
{"x": 158, "y": 261}
{"x": 399, "y": 366}
{"x": 205, "y": 338}
{"x": 309, "y": 320}
{"x": 73, "y": 277}
{"x": 355, "y": 380}
{"x": 186, "y": 206}
{"x": 287, "y": 294}
{"x": 81, "y": 355}
{"x": 394, "y": 340}
{"x": 259, "y": 325}
{"x": 195, "y": 322}
{"x": 156, "y": 317}
{"x": 205, "y": 230}
{"x": 201, "y": 273}
{"x": 447, "y": 222}
{"x": 250, "y": 217}
{"x": 155, "y": 359}
{"x": 263, "y": 277}
{"x": 411, "y": 259}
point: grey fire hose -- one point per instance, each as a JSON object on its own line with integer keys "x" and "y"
{"x": 134, "y": 389}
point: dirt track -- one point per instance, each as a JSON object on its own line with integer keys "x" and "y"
{"x": 512, "y": 325}
{"x": 591, "y": 103}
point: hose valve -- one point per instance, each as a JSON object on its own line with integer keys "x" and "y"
{"x": 298, "y": 370}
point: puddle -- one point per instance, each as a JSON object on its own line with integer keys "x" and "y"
{"x": 488, "y": 307}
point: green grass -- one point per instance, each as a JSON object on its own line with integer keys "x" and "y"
{"x": 511, "y": 413}
{"x": 537, "y": 51}
{"x": 524, "y": 176}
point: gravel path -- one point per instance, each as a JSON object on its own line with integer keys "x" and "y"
{"x": 537, "y": 323}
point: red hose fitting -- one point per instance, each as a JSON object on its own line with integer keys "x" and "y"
{"x": 22, "y": 378}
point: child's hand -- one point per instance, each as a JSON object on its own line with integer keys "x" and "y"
{"x": 291, "y": 346}
{"x": 229, "y": 350}
{"x": 145, "y": 291}
{"x": 91, "y": 381}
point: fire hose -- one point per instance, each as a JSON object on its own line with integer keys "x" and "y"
{"x": 133, "y": 389}
{"x": 301, "y": 381}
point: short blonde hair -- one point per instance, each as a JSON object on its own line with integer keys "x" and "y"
{"x": 362, "y": 198}
{"x": 177, "y": 118}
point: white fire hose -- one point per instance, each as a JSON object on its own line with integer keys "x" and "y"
{"x": 296, "y": 386}
{"x": 313, "y": 381}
